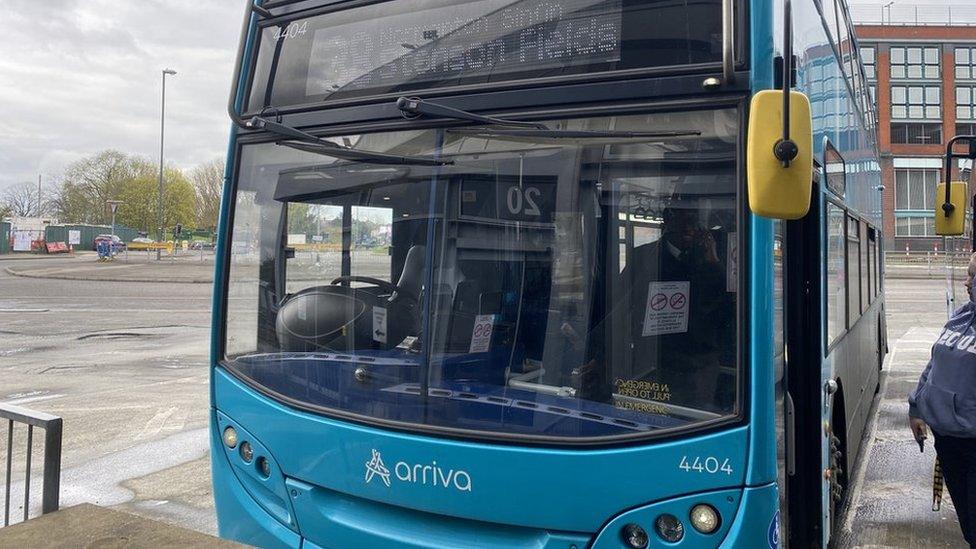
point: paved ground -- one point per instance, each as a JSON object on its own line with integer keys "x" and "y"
{"x": 891, "y": 505}
{"x": 125, "y": 365}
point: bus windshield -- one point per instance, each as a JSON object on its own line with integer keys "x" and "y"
{"x": 565, "y": 289}
{"x": 395, "y": 46}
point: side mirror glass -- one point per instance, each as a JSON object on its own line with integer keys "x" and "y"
{"x": 951, "y": 220}
{"x": 776, "y": 191}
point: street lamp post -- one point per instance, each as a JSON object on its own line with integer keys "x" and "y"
{"x": 162, "y": 133}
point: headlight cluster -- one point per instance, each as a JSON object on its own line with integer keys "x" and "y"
{"x": 246, "y": 451}
{"x": 703, "y": 518}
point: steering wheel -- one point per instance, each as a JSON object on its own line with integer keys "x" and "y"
{"x": 382, "y": 284}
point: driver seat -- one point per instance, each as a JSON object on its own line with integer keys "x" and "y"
{"x": 411, "y": 280}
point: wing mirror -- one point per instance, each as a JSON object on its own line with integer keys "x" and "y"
{"x": 950, "y": 196}
{"x": 779, "y": 147}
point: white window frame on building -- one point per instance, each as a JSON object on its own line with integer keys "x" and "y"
{"x": 916, "y": 102}
{"x": 965, "y": 61}
{"x": 965, "y": 97}
{"x": 914, "y": 207}
{"x": 913, "y": 62}
{"x": 868, "y": 57}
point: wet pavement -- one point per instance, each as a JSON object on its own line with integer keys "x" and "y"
{"x": 891, "y": 503}
{"x": 125, "y": 365}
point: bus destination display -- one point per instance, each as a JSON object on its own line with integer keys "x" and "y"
{"x": 449, "y": 41}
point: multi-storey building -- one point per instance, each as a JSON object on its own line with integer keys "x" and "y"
{"x": 920, "y": 62}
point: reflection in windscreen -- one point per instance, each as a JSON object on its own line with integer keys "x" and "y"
{"x": 577, "y": 288}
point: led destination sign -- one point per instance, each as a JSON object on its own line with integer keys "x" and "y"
{"x": 475, "y": 39}
{"x": 400, "y": 45}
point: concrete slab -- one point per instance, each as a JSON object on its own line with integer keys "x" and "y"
{"x": 87, "y": 526}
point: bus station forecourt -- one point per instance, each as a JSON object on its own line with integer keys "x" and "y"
{"x": 119, "y": 351}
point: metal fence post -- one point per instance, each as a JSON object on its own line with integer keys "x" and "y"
{"x": 52, "y": 467}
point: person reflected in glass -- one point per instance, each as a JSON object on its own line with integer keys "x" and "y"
{"x": 678, "y": 347}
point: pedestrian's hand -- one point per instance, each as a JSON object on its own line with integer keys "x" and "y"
{"x": 919, "y": 430}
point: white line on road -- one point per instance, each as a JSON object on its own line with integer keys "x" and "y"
{"x": 24, "y": 310}
{"x": 27, "y": 400}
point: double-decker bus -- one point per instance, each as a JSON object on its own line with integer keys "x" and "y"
{"x": 506, "y": 273}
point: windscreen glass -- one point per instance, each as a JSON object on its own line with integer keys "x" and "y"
{"x": 536, "y": 286}
{"x": 397, "y": 45}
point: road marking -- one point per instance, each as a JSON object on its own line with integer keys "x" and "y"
{"x": 26, "y": 400}
{"x": 24, "y": 310}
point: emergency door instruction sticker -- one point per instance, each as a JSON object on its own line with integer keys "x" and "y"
{"x": 667, "y": 308}
{"x": 379, "y": 324}
{"x": 481, "y": 333}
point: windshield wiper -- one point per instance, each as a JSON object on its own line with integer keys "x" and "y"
{"x": 571, "y": 134}
{"x": 309, "y": 143}
{"x": 413, "y": 107}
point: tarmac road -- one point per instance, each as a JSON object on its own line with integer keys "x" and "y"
{"x": 125, "y": 365}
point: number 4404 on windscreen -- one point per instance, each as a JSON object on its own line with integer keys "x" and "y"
{"x": 710, "y": 465}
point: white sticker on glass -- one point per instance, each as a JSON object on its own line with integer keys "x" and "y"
{"x": 667, "y": 308}
{"x": 481, "y": 333}
{"x": 379, "y": 324}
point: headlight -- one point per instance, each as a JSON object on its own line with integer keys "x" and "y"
{"x": 264, "y": 467}
{"x": 230, "y": 437}
{"x": 634, "y": 536}
{"x": 669, "y": 528}
{"x": 704, "y": 518}
{"x": 247, "y": 452}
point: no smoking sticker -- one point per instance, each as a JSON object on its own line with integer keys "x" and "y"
{"x": 481, "y": 333}
{"x": 667, "y": 308}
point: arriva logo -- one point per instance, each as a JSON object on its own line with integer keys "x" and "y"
{"x": 431, "y": 475}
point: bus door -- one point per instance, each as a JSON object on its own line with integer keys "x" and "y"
{"x": 799, "y": 379}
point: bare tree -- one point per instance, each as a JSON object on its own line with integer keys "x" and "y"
{"x": 23, "y": 200}
{"x": 91, "y": 181}
{"x": 208, "y": 181}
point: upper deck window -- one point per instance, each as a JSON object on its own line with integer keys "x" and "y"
{"x": 398, "y": 46}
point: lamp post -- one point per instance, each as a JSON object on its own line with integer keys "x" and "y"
{"x": 887, "y": 7}
{"x": 162, "y": 133}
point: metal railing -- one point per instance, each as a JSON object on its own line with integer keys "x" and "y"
{"x": 904, "y": 13}
{"x": 51, "y": 487}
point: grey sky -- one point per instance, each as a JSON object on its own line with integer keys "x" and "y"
{"x": 80, "y": 76}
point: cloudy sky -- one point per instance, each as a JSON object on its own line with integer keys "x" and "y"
{"x": 80, "y": 76}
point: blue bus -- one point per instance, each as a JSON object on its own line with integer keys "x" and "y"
{"x": 524, "y": 273}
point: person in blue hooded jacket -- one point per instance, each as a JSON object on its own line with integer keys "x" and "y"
{"x": 945, "y": 402}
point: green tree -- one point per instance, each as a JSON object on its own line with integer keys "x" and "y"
{"x": 140, "y": 202}
{"x": 208, "y": 182}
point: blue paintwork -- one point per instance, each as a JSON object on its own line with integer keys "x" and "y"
{"x": 756, "y": 518}
{"x": 585, "y": 488}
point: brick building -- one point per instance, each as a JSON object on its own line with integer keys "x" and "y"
{"x": 920, "y": 61}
